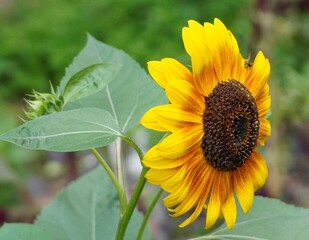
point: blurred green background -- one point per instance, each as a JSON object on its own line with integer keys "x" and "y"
{"x": 39, "y": 39}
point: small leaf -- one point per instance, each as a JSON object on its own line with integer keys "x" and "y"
{"x": 88, "y": 81}
{"x": 74, "y": 130}
{"x": 21, "y": 231}
{"x": 130, "y": 93}
{"x": 86, "y": 209}
{"x": 268, "y": 219}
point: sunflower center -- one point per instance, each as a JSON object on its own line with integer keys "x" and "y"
{"x": 240, "y": 126}
{"x": 231, "y": 126}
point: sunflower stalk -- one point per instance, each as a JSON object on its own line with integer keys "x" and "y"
{"x": 148, "y": 213}
{"x": 124, "y": 221}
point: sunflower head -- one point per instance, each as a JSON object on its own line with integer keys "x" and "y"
{"x": 216, "y": 119}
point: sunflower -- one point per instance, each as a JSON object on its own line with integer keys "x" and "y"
{"x": 216, "y": 119}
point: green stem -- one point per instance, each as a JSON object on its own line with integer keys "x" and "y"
{"x": 131, "y": 205}
{"x": 120, "y": 190}
{"x": 148, "y": 213}
{"x": 135, "y": 146}
{"x": 136, "y": 193}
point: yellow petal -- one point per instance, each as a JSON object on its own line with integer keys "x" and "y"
{"x": 181, "y": 143}
{"x": 258, "y": 169}
{"x": 264, "y": 131}
{"x": 258, "y": 75}
{"x": 195, "y": 214}
{"x": 214, "y": 205}
{"x": 157, "y": 176}
{"x": 195, "y": 44}
{"x": 192, "y": 161}
{"x": 229, "y": 210}
{"x": 174, "y": 117}
{"x": 175, "y": 181}
{"x": 193, "y": 36}
{"x": 263, "y": 106}
{"x": 195, "y": 180}
{"x": 182, "y": 93}
{"x": 156, "y": 70}
{"x": 224, "y": 49}
{"x": 227, "y": 200}
{"x": 177, "y": 196}
{"x": 176, "y": 70}
{"x": 153, "y": 159}
{"x": 150, "y": 121}
{"x": 224, "y": 60}
{"x": 205, "y": 187}
{"x": 228, "y": 42}
{"x": 243, "y": 188}
{"x": 186, "y": 204}
{"x": 263, "y": 101}
{"x": 168, "y": 68}
{"x": 205, "y": 77}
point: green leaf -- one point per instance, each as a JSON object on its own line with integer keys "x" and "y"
{"x": 22, "y": 231}
{"x": 269, "y": 219}
{"x": 88, "y": 81}
{"x": 86, "y": 209}
{"x": 100, "y": 77}
{"x": 73, "y": 130}
{"x": 130, "y": 93}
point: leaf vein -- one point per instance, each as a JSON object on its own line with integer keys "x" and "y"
{"x": 130, "y": 115}
{"x": 112, "y": 105}
{"x": 62, "y": 134}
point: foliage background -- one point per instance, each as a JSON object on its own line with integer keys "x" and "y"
{"x": 38, "y": 39}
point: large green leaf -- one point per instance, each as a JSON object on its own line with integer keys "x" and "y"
{"x": 73, "y": 130}
{"x": 100, "y": 77}
{"x": 86, "y": 209}
{"x": 128, "y": 96}
{"x": 22, "y": 231}
{"x": 269, "y": 219}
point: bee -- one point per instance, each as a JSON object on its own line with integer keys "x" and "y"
{"x": 248, "y": 63}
